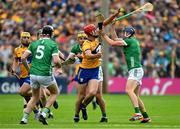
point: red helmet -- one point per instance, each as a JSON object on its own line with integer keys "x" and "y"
{"x": 89, "y": 28}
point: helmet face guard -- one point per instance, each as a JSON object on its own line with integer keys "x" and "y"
{"x": 48, "y": 30}
{"x": 128, "y": 31}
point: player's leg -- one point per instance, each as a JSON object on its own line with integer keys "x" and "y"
{"x": 31, "y": 105}
{"x": 101, "y": 102}
{"x": 130, "y": 87}
{"x": 51, "y": 85}
{"x": 146, "y": 118}
{"x": 26, "y": 93}
{"x": 81, "y": 90}
{"x": 92, "y": 91}
{"x": 94, "y": 103}
{"x": 55, "y": 104}
{"x": 43, "y": 100}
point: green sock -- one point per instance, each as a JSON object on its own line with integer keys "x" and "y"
{"x": 103, "y": 114}
{"x": 145, "y": 115}
{"x": 137, "y": 110}
{"x": 25, "y": 115}
{"x": 46, "y": 110}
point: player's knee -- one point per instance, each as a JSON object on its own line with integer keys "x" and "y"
{"x": 22, "y": 93}
{"x": 128, "y": 91}
{"x": 92, "y": 93}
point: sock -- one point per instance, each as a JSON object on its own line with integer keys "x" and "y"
{"x": 145, "y": 115}
{"x": 104, "y": 114}
{"x": 83, "y": 105}
{"x": 25, "y": 115}
{"x": 45, "y": 111}
{"x": 25, "y": 106}
{"x": 137, "y": 110}
{"x": 35, "y": 111}
{"x": 76, "y": 115}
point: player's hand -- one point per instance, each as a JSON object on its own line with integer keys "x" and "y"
{"x": 99, "y": 54}
{"x": 58, "y": 71}
{"x": 101, "y": 32}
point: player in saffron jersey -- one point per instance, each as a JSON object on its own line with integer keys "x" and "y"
{"x": 43, "y": 51}
{"x": 76, "y": 53}
{"x": 132, "y": 52}
{"x": 23, "y": 77}
{"x": 89, "y": 73}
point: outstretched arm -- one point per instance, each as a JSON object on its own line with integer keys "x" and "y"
{"x": 69, "y": 60}
{"x": 117, "y": 42}
{"x": 89, "y": 55}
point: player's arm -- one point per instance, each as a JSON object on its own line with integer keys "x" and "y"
{"x": 24, "y": 57}
{"x": 14, "y": 65}
{"x": 114, "y": 42}
{"x": 57, "y": 60}
{"x": 87, "y": 52}
{"x": 89, "y": 55}
{"x": 70, "y": 59}
{"x": 113, "y": 32}
{"x": 61, "y": 55}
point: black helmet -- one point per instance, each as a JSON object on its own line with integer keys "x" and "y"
{"x": 130, "y": 30}
{"x": 47, "y": 30}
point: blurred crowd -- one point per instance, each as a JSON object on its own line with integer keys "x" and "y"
{"x": 158, "y": 31}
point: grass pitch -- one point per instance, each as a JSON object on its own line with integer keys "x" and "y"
{"x": 164, "y": 111}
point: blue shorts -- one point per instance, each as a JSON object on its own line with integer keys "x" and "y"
{"x": 84, "y": 75}
{"x": 24, "y": 80}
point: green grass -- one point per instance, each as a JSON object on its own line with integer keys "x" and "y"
{"x": 164, "y": 111}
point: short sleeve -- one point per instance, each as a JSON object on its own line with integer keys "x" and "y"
{"x": 55, "y": 49}
{"x": 127, "y": 41}
{"x": 73, "y": 49}
{"x": 30, "y": 48}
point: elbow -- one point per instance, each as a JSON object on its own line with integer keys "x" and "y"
{"x": 56, "y": 61}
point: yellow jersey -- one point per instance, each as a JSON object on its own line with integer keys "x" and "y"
{"x": 18, "y": 52}
{"x": 95, "y": 47}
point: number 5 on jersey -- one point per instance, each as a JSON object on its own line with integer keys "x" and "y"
{"x": 40, "y": 52}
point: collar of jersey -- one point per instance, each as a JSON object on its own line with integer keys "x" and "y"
{"x": 45, "y": 38}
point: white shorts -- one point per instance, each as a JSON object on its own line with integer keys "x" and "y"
{"x": 44, "y": 81}
{"x": 100, "y": 74}
{"x": 136, "y": 74}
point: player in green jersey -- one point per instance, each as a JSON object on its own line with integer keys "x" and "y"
{"x": 132, "y": 52}
{"x": 75, "y": 54}
{"x": 43, "y": 52}
{"x": 44, "y": 91}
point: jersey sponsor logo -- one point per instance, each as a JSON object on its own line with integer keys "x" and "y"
{"x": 81, "y": 79}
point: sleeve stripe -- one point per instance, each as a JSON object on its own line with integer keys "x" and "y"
{"x": 54, "y": 54}
{"x": 71, "y": 53}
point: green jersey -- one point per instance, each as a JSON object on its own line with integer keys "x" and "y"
{"x": 42, "y": 51}
{"x": 76, "y": 49}
{"x": 132, "y": 53}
